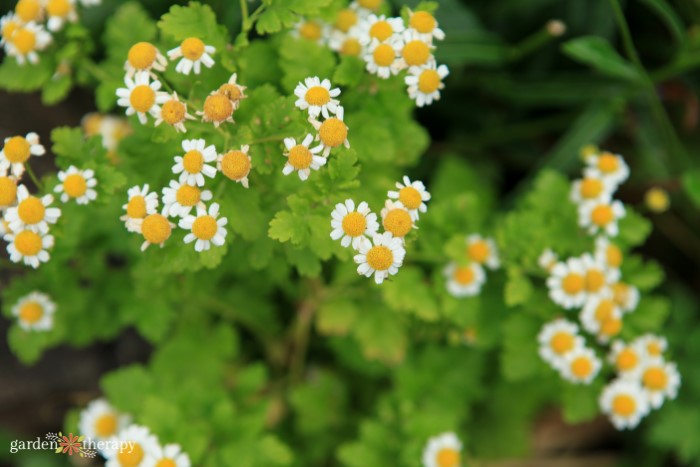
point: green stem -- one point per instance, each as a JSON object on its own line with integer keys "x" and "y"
{"x": 34, "y": 178}
{"x": 529, "y": 45}
{"x": 269, "y": 139}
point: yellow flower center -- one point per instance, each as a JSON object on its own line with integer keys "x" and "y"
{"x": 608, "y": 163}
{"x": 384, "y": 55}
{"x": 370, "y": 4}
{"x": 156, "y": 228}
{"x": 31, "y": 312}
{"x": 75, "y": 185}
{"x": 300, "y": 157}
{"x": 613, "y": 256}
{"x": 188, "y": 195}
{"x": 318, "y": 96}
{"x": 131, "y": 458}
{"x": 204, "y": 227}
{"x": 8, "y": 191}
{"x": 602, "y": 215}
{"x": 351, "y": 47}
{"x": 231, "y": 91}
{"x": 310, "y": 30}
{"x": 429, "y": 81}
{"x": 59, "y": 8}
{"x": 380, "y": 258}
{"x": 192, "y": 48}
{"x": 447, "y": 457}
{"x": 654, "y": 348}
{"x": 624, "y": 405}
{"x": 627, "y": 359}
{"x": 655, "y": 379}
{"x": 354, "y": 224}
{"x": 9, "y": 29}
{"x": 166, "y": 463}
{"x": 398, "y": 222}
{"x": 410, "y": 197}
{"x": 381, "y": 30}
{"x": 28, "y": 10}
{"x": 581, "y": 367}
{"x": 611, "y": 327}
{"x": 25, "y": 40}
{"x": 235, "y": 165}
{"x": 142, "y": 55}
{"x": 657, "y": 200}
{"x": 28, "y": 243}
{"x": 173, "y": 112}
{"x": 464, "y": 275}
{"x": 591, "y": 188}
{"x": 605, "y": 310}
{"x": 193, "y": 161}
{"x": 17, "y": 150}
{"x": 423, "y": 22}
{"x": 562, "y": 342}
{"x": 573, "y": 283}
{"x": 416, "y": 53}
{"x": 595, "y": 280}
{"x": 346, "y": 19}
{"x": 478, "y": 251}
{"x": 333, "y": 132}
{"x": 136, "y": 208}
{"x": 31, "y": 210}
{"x": 142, "y": 98}
{"x": 217, "y": 107}
{"x": 106, "y": 425}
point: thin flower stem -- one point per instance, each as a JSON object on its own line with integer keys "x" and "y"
{"x": 34, "y": 178}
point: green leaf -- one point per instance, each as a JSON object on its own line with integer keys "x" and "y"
{"x": 129, "y": 24}
{"x": 580, "y": 402}
{"x": 287, "y": 227}
{"x": 520, "y": 359}
{"x": 27, "y": 77}
{"x": 670, "y": 17}
{"x": 381, "y": 336}
{"x": 691, "y": 185}
{"x": 408, "y": 291}
{"x": 650, "y": 315}
{"x": 56, "y": 89}
{"x": 193, "y": 20}
{"x": 518, "y": 288}
{"x": 598, "y": 53}
{"x": 634, "y": 228}
{"x": 643, "y": 275}
{"x": 349, "y": 71}
{"x": 300, "y": 59}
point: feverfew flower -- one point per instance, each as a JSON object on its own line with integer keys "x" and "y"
{"x": 626, "y": 296}
{"x": 140, "y": 204}
{"x": 601, "y": 216}
{"x": 580, "y": 366}
{"x": 8, "y": 192}
{"x": 397, "y": 219}
{"x": 59, "y": 12}
{"x": 76, "y": 184}
{"x": 170, "y": 455}
{"x": 412, "y": 195}
{"x": 194, "y": 165}
{"x": 483, "y": 251}
{"x": 464, "y": 281}
{"x": 591, "y": 188}
{"x": 610, "y": 255}
{"x": 194, "y": 53}
{"x": 567, "y": 283}
{"x": 346, "y": 19}
{"x": 415, "y": 52}
{"x": 625, "y": 403}
{"x": 301, "y": 158}
{"x": 28, "y": 247}
{"x": 382, "y": 58}
{"x": 144, "y": 56}
{"x": 141, "y": 97}
{"x": 332, "y": 132}
{"x": 179, "y": 198}
{"x": 99, "y": 421}
{"x": 626, "y": 358}
{"x": 174, "y": 113}
{"x": 311, "y": 30}
{"x": 17, "y": 151}
{"x": 233, "y": 91}
{"x": 217, "y": 109}
{"x": 597, "y": 276}
{"x": 136, "y": 443}
{"x": 317, "y": 96}
{"x": 601, "y": 316}
{"x": 424, "y": 83}
{"x": 610, "y": 167}
{"x": 548, "y": 259}
{"x": 29, "y": 10}
{"x": 660, "y": 381}
{"x": 383, "y": 257}
{"x": 31, "y": 212}
{"x": 557, "y": 338}
{"x": 352, "y": 225}
{"x": 205, "y": 229}
{"x": 443, "y": 451}
{"x": 652, "y": 345}
{"x": 425, "y": 25}
{"x": 235, "y": 165}
{"x": 156, "y": 230}
{"x": 34, "y": 312}
{"x": 380, "y": 29}
{"x": 26, "y": 41}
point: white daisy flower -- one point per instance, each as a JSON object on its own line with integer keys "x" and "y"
{"x": 16, "y": 152}
{"x": 353, "y": 226}
{"x": 601, "y": 216}
{"x": 464, "y": 281}
{"x": 26, "y": 40}
{"x": 424, "y": 83}
{"x": 548, "y": 259}
{"x": 317, "y": 97}
{"x": 311, "y": 30}
{"x": 77, "y": 184}
{"x": 29, "y": 10}
{"x": 412, "y": 195}
{"x": 141, "y": 97}
{"x": 626, "y": 296}
{"x": 99, "y": 421}
{"x": 170, "y": 455}
{"x": 4, "y": 227}
{"x": 34, "y": 312}
{"x": 194, "y": 165}
{"x": 194, "y": 53}
{"x": 626, "y": 358}
{"x": 144, "y": 56}
{"x": 379, "y": 28}
{"x": 443, "y": 450}
{"x": 60, "y": 12}
{"x": 8, "y": 192}
{"x": 591, "y": 189}
{"x": 32, "y": 213}
{"x": 9, "y": 23}
{"x": 483, "y": 250}
{"x": 601, "y": 316}
{"x": 425, "y": 25}
{"x": 156, "y": 230}
{"x": 598, "y": 278}
{"x": 141, "y": 202}
{"x": 179, "y": 198}
{"x": 136, "y": 444}
{"x": 236, "y": 165}
{"x": 174, "y": 113}
{"x": 652, "y": 345}
{"x": 205, "y": 228}
{"x": 610, "y": 167}
{"x": 610, "y": 255}
{"x": 301, "y": 158}
{"x": 346, "y": 19}
{"x": 660, "y": 380}
{"x": 233, "y": 91}
{"x": 558, "y": 338}
{"x": 217, "y": 109}
{"x": 567, "y": 283}
{"x": 332, "y": 132}
{"x": 397, "y": 219}
{"x": 580, "y": 366}
{"x": 382, "y": 58}
{"x": 414, "y": 51}
{"x": 28, "y": 247}
{"x": 624, "y": 402}
{"x": 365, "y": 7}
{"x": 383, "y": 257}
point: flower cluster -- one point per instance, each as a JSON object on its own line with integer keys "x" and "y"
{"x": 564, "y": 349}
{"x": 380, "y": 254}
{"x": 134, "y": 445}
{"x": 25, "y": 31}
{"x": 388, "y": 45}
{"x": 466, "y": 280}
{"x": 444, "y": 450}
{"x": 34, "y": 312}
